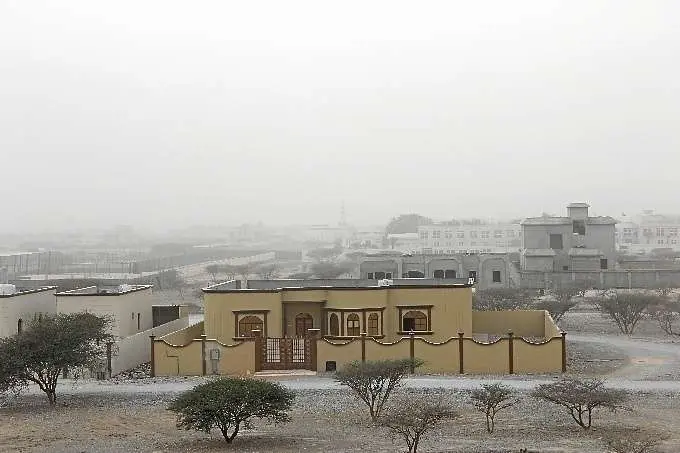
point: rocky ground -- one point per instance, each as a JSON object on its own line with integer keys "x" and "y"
{"x": 129, "y": 413}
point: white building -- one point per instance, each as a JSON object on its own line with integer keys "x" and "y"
{"x": 470, "y": 237}
{"x": 129, "y": 306}
{"x": 19, "y": 307}
{"x": 648, "y": 231}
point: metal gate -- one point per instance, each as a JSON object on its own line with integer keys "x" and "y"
{"x": 285, "y": 353}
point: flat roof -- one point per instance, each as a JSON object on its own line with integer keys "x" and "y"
{"x": 269, "y": 286}
{"x": 23, "y": 292}
{"x": 95, "y": 291}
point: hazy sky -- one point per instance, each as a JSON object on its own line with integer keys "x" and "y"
{"x": 163, "y": 114}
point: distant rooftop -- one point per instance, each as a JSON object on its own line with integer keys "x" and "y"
{"x": 578, "y": 205}
{"x": 104, "y": 290}
{"x": 338, "y": 283}
{"x": 13, "y": 291}
{"x": 567, "y": 221}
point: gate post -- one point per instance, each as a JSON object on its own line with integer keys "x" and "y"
{"x": 461, "y": 362}
{"x": 511, "y": 353}
{"x": 412, "y": 350}
{"x": 203, "y": 355}
{"x": 259, "y": 344}
{"x": 564, "y": 352}
{"x": 313, "y": 351}
{"x": 363, "y": 347}
{"x": 153, "y": 359}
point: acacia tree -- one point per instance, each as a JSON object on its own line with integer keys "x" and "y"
{"x": 213, "y": 270}
{"x": 561, "y": 301}
{"x": 626, "y": 309}
{"x": 49, "y": 345}
{"x": 581, "y": 397}
{"x": 413, "y": 418}
{"x": 500, "y": 299}
{"x": 667, "y": 314}
{"x": 373, "y": 381}
{"x": 490, "y": 399}
{"x": 267, "y": 271}
{"x": 229, "y": 404}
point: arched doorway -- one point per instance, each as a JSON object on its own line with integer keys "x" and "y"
{"x": 248, "y": 324}
{"x": 303, "y": 322}
{"x": 334, "y": 325}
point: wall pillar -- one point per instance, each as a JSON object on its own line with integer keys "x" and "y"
{"x": 363, "y": 346}
{"x": 511, "y": 353}
{"x": 203, "y": 355}
{"x": 153, "y": 358}
{"x": 461, "y": 348}
{"x": 412, "y": 350}
{"x": 259, "y": 344}
{"x": 564, "y": 352}
{"x": 314, "y": 336}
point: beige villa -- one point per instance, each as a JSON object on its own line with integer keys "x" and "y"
{"x": 322, "y": 324}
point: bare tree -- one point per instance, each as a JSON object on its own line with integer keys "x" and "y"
{"x": 667, "y": 314}
{"x": 626, "y": 309}
{"x": 413, "y": 418}
{"x": 581, "y": 397}
{"x": 267, "y": 271}
{"x": 500, "y": 299}
{"x": 490, "y": 399}
{"x": 213, "y": 270}
{"x": 243, "y": 270}
{"x": 374, "y": 381}
{"x": 230, "y": 271}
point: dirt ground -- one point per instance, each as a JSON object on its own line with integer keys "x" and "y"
{"x": 332, "y": 421}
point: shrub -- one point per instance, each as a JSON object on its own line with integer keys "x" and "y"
{"x": 374, "y": 381}
{"x": 229, "y": 404}
{"x": 581, "y": 397}
{"x": 490, "y": 399}
{"x": 413, "y": 418}
{"x": 500, "y": 299}
{"x": 634, "y": 440}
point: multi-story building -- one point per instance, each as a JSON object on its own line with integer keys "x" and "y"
{"x": 577, "y": 242}
{"x": 470, "y": 237}
{"x": 18, "y": 307}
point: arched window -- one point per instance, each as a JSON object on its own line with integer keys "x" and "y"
{"x": 303, "y": 322}
{"x": 353, "y": 325}
{"x": 20, "y": 326}
{"x": 373, "y": 328}
{"x": 247, "y": 324}
{"x": 334, "y": 325}
{"x": 414, "y": 321}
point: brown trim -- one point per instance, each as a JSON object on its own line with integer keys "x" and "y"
{"x": 382, "y": 324}
{"x": 153, "y": 358}
{"x": 250, "y": 312}
{"x": 342, "y": 323}
{"x": 338, "y": 288}
{"x": 363, "y": 346}
{"x": 259, "y": 347}
{"x": 416, "y": 332}
{"x": 331, "y": 337}
{"x": 414, "y": 306}
{"x": 564, "y": 352}
{"x": 511, "y": 353}
{"x": 364, "y": 329}
{"x": 461, "y": 349}
{"x": 354, "y": 309}
{"x": 412, "y": 352}
{"x": 203, "y": 355}
{"x": 429, "y": 318}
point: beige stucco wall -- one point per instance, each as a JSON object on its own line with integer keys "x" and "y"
{"x": 537, "y": 358}
{"x": 341, "y": 353}
{"x": 178, "y": 361}
{"x": 235, "y": 359}
{"x": 123, "y": 309}
{"x": 24, "y": 307}
{"x": 486, "y": 358}
{"x": 523, "y": 323}
{"x": 438, "y": 358}
{"x": 219, "y": 312}
{"x": 379, "y": 351}
{"x": 184, "y": 336}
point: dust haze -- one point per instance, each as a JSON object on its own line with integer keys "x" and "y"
{"x": 164, "y": 114}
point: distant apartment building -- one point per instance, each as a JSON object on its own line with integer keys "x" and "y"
{"x": 577, "y": 242}
{"x": 129, "y": 306}
{"x": 18, "y": 307}
{"x": 405, "y": 242}
{"x": 488, "y": 271}
{"x": 648, "y": 231}
{"x": 470, "y": 237}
